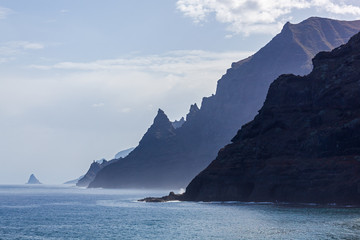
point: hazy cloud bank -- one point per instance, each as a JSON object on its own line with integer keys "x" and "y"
{"x": 80, "y": 111}
{"x": 10, "y": 50}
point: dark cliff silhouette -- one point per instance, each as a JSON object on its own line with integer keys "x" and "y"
{"x": 303, "y": 146}
{"x": 96, "y": 166}
{"x": 169, "y": 157}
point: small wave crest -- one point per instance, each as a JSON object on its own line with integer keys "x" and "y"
{"x": 20, "y": 206}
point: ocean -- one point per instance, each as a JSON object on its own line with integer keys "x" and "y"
{"x": 68, "y": 212}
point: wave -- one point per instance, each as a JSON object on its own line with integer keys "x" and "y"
{"x": 64, "y": 204}
{"x": 20, "y": 206}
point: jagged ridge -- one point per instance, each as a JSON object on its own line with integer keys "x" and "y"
{"x": 183, "y": 152}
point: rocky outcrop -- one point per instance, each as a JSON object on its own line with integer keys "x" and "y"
{"x": 171, "y": 197}
{"x": 178, "y": 123}
{"x": 123, "y": 153}
{"x": 303, "y": 146}
{"x": 33, "y": 180}
{"x": 175, "y": 156}
{"x": 194, "y": 109}
{"x": 148, "y": 165}
{"x": 90, "y": 175}
{"x": 161, "y": 129}
{"x": 96, "y": 166}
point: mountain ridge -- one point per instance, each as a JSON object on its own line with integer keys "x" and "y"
{"x": 304, "y": 144}
{"x": 172, "y": 161}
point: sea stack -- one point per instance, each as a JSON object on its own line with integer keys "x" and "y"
{"x": 33, "y": 180}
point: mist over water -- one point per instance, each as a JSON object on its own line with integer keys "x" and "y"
{"x": 58, "y": 212}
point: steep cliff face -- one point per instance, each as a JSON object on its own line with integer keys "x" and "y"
{"x": 303, "y": 146}
{"x": 187, "y": 150}
{"x": 241, "y": 91}
{"x": 89, "y": 175}
{"x": 95, "y": 167}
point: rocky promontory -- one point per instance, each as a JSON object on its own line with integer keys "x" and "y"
{"x": 303, "y": 146}
{"x": 171, "y": 197}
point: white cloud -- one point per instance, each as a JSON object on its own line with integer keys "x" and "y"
{"x": 15, "y": 47}
{"x": 64, "y": 11}
{"x": 174, "y": 80}
{"x": 93, "y": 109}
{"x": 97, "y": 105}
{"x": 4, "y": 12}
{"x": 177, "y": 78}
{"x": 29, "y": 45}
{"x": 126, "y": 110}
{"x": 23, "y": 45}
{"x": 9, "y": 50}
{"x": 258, "y": 16}
{"x": 4, "y": 60}
{"x": 174, "y": 62}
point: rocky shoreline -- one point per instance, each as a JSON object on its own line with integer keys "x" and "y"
{"x": 302, "y": 147}
{"x": 171, "y": 197}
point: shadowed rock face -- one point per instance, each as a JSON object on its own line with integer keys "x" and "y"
{"x": 303, "y": 146}
{"x": 175, "y": 156}
{"x": 95, "y": 167}
{"x": 90, "y": 174}
{"x": 146, "y": 165}
{"x": 178, "y": 123}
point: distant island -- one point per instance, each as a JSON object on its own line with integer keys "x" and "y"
{"x": 33, "y": 180}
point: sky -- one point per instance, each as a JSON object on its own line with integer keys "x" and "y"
{"x": 82, "y": 80}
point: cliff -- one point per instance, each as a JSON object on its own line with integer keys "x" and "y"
{"x": 175, "y": 157}
{"x": 147, "y": 163}
{"x": 303, "y": 146}
{"x": 95, "y": 167}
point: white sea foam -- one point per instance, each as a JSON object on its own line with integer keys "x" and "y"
{"x": 181, "y": 191}
{"x": 118, "y": 204}
{"x": 20, "y": 206}
{"x": 64, "y": 204}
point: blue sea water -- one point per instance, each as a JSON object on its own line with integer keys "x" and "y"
{"x": 63, "y": 212}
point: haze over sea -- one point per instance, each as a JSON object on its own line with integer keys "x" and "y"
{"x": 65, "y": 212}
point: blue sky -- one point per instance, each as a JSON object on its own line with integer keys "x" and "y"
{"x": 82, "y": 80}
